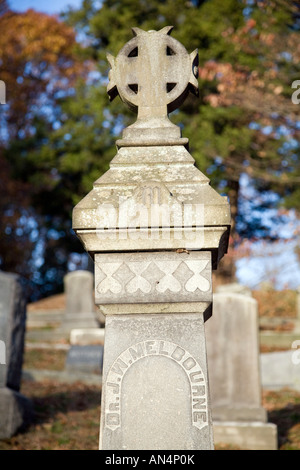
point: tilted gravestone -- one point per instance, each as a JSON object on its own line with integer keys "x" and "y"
{"x": 156, "y": 229}
{"x": 15, "y": 409}
{"x": 234, "y": 374}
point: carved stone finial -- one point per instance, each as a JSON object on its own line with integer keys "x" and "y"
{"x": 153, "y": 74}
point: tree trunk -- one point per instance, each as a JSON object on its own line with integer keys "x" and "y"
{"x": 233, "y": 194}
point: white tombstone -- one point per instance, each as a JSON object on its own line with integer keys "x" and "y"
{"x": 234, "y": 374}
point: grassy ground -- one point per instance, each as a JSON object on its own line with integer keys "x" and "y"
{"x": 66, "y": 417}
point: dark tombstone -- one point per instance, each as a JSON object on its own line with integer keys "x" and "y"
{"x": 15, "y": 409}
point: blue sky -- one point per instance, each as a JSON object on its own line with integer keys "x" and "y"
{"x": 46, "y": 6}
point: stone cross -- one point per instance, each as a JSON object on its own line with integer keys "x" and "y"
{"x": 155, "y": 229}
{"x": 153, "y": 74}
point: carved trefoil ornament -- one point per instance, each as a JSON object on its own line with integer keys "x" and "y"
{"x": 153, "y": 277}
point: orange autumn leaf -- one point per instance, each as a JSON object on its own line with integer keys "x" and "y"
{"x": 36, "y": 50}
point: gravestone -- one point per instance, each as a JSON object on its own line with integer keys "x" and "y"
{"x": 156, "y": 229}
{"x": 281, "y": 369}
{"x": 85, "y": 358}
{"x": 235, "y": 378}
{"x": 15, "y": 409}
{"x": 234, "y": 287}
{"x": 80, "y": 305}
{"x": 86, "y": 336}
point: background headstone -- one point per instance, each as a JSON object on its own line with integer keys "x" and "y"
{"x": 233, "y": 287}
{"x": 15, "y": 409}
{"x": 281, "y": 369}
{"x": 234, "y": 373}
{"x": 86, "y": 336}
{"x": 12, "y": 328}
{"x": 88, "y": 358}
{"x": 80, "y": 306}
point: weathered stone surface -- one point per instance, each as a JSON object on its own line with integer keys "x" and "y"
{"x": 80, "y": 305}
{"x": 15, "y": 409}
{"x": 16, "y": 412}
{"x": 87, "y": 358}
{"x": 12, "y": 328}
{"x": 79, "y": 292}
{"x": 233, "y": 357}
{"x": 153, "y": 73}
{"x": 280, "y": 369}
{"x": 85, "y": 336}
{"x": 147, "y": 200}
{"x": 234, "y": 374}
{"x": 152, "y": 277}
{"x": 252, "y": 435}
{"x": 234, "y": 287}
{"x": 155, "y": 389}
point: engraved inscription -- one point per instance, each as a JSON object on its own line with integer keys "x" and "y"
{"x": 198, "y": 386}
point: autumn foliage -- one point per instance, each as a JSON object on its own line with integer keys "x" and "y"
{"x": 37, "y": 59}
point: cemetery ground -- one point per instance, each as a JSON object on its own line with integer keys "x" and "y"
{"x": 67, "y": 414}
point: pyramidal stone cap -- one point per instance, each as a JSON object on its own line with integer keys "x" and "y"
{"x": 153, "y": 197}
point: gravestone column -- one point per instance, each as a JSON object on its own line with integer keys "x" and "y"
{"x": 156, "y": 229}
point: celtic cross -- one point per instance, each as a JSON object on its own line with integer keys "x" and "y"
{"x": 153, "y": 73}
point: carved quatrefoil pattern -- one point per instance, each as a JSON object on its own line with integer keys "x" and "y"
{"x": 165, "y": 276}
